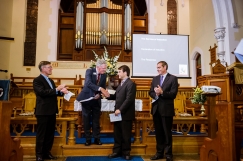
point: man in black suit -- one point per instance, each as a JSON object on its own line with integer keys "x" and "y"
{"x": 95, "y": 84}
{"x": 125, "y": 105}
{"x": 164, "y": 88}
{"x": 45, "y": 110}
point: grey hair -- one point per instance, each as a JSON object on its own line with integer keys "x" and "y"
{"x": 100, "y": 62}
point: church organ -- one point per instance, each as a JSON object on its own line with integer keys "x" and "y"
{"x": 94, "y": 24}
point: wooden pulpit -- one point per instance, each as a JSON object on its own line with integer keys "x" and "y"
{"x": 225, "y": 115}
{"x": 218, "y": 146}
{"x": 11, "y": 149}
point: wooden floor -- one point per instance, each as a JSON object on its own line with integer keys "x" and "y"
{"x": 145, "y": 158}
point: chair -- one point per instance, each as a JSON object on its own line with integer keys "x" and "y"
{"x": 180, "y": 107}
{"x": 28, "y": 107}
{"x": 28, "y": 104}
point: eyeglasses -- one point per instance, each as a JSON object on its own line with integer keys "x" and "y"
{"x": 49, "y": 67}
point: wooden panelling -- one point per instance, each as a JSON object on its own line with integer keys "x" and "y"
{"x": 67, "y": 20}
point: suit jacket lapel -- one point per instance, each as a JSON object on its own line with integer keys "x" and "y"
{"x": 94, "y": 76}
{"x": 166, "y": 79}
{"x": 46, "y": 83}
{"x": 120, "y": 87}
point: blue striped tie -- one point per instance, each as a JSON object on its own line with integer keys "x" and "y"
{"x": 49, "y": 82}
{"x": 161, "y": 80}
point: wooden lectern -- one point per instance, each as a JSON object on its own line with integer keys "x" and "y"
{"x": 10, "y": 149}
{"x": 225, "y": 115}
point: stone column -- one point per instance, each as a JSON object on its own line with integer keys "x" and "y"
{"x": 219, "y": 34}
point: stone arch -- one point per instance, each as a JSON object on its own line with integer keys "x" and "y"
{"x": 193, "y": 71}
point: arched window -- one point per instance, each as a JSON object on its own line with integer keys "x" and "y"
{"x": 172, "y": 17}
{"x": 198, "y": 66}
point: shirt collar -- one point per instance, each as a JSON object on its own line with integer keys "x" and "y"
{"x": 97, "y": 71}
{"x": 124, "y": 80}
{"x": 164, "y": 75}
{"x": 44, "y": 76}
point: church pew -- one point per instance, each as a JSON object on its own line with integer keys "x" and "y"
{"x": 11, "y": 150}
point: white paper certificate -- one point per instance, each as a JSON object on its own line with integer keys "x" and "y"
{"x": 114, "y": 118}
{"x": 68, "y": 95}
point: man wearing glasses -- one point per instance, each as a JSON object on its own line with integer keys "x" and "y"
{"x": 45, "y": 110}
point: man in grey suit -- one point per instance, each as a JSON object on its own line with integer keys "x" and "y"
{"x": 164, "y": 88}
{"x": 125, "y": 105}
{"x": 45, "y": 110}
{"x": 95, "y": 84}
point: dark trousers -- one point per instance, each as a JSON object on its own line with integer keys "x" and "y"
{"x": 122, "y": 137}
{"x": 45, "y": 134}
{"x": 163, "y": 133}
{"x": 91, "y": 108}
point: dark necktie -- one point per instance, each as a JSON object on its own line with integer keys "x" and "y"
{"x": 98, "y": 79}
{"x": 161, "y": 80}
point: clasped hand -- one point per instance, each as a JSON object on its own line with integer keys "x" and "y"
{"x": 158, "y": 90}
{"x": 62, "y": 88}
{"x": 105, "y": 92}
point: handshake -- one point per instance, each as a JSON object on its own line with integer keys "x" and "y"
{"x": 62, "y": 88}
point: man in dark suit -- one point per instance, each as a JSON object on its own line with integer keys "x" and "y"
{"x": 95, "y": 84}
{"x": 125, "y": 105}
{"x": 163, "y": 90}
{"x": 45, "y": 110}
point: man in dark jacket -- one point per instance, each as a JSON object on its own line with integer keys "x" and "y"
{"x": 164, "y": 88}
{"x": 95, "y": 84}
{"x": 125, "y": 105}
{"x": 45, "y": 110}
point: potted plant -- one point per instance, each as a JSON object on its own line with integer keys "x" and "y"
{"x": 199, "y": 98}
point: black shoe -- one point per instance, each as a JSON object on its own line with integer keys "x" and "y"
{"x": 97, "y": 142}
{"x": 169, "y": 158}
{"x": 113, "y": 155}
{"x": 156, "y": 157}
{"x": 39, "y": 159}
{"x": 50, "y": 156}
{"x": 87, "y": 143}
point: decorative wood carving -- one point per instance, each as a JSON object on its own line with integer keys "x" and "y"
{"x": 31, "y": 33}
{"x": 213, "y": 53}
{"x": 218, "y": 68}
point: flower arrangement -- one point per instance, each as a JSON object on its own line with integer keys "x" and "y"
{"x": 198, "y": 97}
{"x": 111, "y": 62}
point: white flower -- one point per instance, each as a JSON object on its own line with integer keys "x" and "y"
{"x": 111, "y": 62}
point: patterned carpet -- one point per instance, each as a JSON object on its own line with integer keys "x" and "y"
{"x": 101, "y": 158}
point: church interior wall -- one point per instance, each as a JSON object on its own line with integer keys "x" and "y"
{"x": 5, "y": 31}
{"x": 18, "y": 32}
{"x": 202, "y": 23}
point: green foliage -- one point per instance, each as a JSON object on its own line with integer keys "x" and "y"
{"x": 198, "y": 97}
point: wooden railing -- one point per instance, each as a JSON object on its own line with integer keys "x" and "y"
{"x": 62, "y": 124}
{"x": 20, "y": 81}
